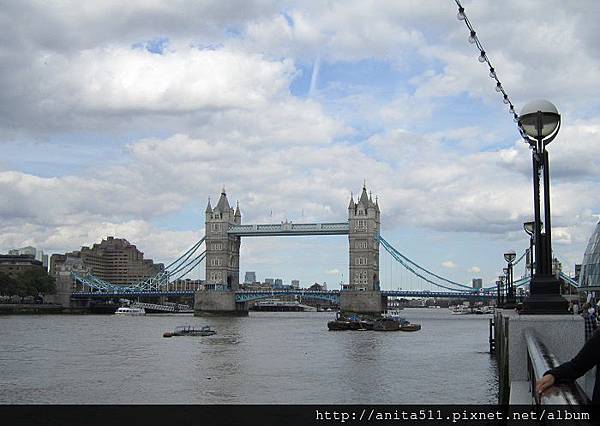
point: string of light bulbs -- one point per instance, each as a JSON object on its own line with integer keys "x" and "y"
{"x": 483, "y": 58}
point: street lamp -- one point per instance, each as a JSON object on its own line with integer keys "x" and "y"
{"x": 529, "y": 227}
{"x": 501, "y": 281}
{"x": 510, "y": 297}
{"x": 540, "y": 122}
{"x": 498, "y": 301}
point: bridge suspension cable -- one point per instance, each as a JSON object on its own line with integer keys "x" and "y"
{"x": 184, "y": 264}
{"x": 194, "y": 262}
{"x": 188, "y": 253}
{"x": 411, "y": 265}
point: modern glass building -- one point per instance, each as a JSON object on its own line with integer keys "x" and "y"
{"x": 590, "y": 267}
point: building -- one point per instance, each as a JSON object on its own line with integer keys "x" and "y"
{"x": 316, "y": 287}
{"x": 364, "y": 222}
{"x": 222, "y": 250}
{"x": 269, "y": 281}
{"x": 13, "y": 264}
{"x": 589, "y": 275}
{"x": 577, "y": 271}
{"x": 477, "y": 283}
{"x": 37, "y": 254}
{"x": 278, "y": 283}
{"x": 65, "y": 284}
{"x": 115, "y": 260}
{"x": 250, "y": 277}
{"x": 296, "y": 284}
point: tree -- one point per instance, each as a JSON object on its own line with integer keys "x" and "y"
{"x": 34, "y": 282}
{"x": 8, "y": 285}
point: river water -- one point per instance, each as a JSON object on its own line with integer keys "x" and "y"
{"x": 267, "y": 357}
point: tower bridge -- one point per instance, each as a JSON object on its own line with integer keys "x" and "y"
{"x": 224, "y": 231}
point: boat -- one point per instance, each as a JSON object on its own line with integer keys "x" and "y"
{"x": 352, "y": 322}
{"x": 394, "y": 314}
{"x": 188, "y": 330}
{"x": 461, "y": 310}
{"x": 125, "y": 311}
{"x": 410, "y": 327}
{"x": 386, "y": 324}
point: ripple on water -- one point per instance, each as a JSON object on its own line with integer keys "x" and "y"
{"x": 265, "y": 358}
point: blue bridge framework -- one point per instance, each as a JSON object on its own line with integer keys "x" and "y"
{"x": 423, "y": 283}
{"x": 332, "y": 296}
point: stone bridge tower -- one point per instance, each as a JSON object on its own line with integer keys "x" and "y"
{"x": 222, "y": 250}
{"x": 364, "y": 222}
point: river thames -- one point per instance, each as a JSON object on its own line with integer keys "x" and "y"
{"x": 264, "y": 358}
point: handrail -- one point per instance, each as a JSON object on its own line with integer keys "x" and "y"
{"x": 540, "y": 360}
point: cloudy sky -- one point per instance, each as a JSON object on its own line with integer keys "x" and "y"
{"x": 123, "y": 118}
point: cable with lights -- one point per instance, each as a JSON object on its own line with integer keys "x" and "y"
{"x": 483, "y": 58}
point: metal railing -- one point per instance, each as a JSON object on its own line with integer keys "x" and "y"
{"x": 540, "y": 360}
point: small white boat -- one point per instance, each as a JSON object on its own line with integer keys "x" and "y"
{"x": 461, "y": 310}
{"x": 125, "y": 311}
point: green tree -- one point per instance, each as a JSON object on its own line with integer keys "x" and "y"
{"x": 8, "y": 285}
{"x": 34, "y": 282}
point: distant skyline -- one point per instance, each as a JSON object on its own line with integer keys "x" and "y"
{"x": 122, "y": 119}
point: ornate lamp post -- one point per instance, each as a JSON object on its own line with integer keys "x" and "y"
{"x": 510, "y": 297}
{"x": 498, "y": 300}
{"x": 540, "y": 122}
{"x": 501, "y": 292}
{"x": 529, "y": 227}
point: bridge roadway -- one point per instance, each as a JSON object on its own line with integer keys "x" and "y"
{"x": 246, "y": 296}
{"x": 289, "y": 228}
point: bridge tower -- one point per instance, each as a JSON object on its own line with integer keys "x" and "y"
{"x": 222, "y": 250}
{"x": 363, "y": 295}
{"x": 364, "y": 222}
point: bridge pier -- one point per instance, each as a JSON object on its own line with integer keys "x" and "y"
{"x": 218, "y": 303}
{"x": 362, "y": 302}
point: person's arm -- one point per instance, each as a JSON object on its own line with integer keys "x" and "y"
{"x": 569, "y": 371}
{"x": 587, "y": 357}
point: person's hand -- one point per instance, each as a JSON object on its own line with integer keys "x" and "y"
{"x": 544, "y": 384}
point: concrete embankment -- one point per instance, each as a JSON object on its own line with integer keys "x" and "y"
{"x": 30, "y": 308}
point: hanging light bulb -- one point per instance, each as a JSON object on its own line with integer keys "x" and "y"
{"x": 482, "y": 57}
{"x": 505, "y": 100}
{"x": 498, "y": 87}
{"x": 473, "y": 37}
{"x": 492, "y": 72}
{"x": 461, "y": 14}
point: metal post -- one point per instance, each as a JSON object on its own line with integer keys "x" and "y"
{"x": 536, "y": 211}
{"x": 498, "y": 300}
{"x": 509, "y": 282}
{"x": 548, "y": 227}
{"x": 544, "y": 289}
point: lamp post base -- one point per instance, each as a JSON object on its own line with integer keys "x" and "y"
{"x": 544, "y": 298}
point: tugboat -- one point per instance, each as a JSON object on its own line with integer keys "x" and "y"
{"x": 187, "y": 330}
{"x": 342, "y": 323}
{"x": 410, "y": 327}
{"x": 386, "y": 324}
{"x": 352, "y": 322}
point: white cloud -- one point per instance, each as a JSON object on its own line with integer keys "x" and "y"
{"x": 448, "y": 264}
{"x": 474, "y": 269}
{"x": 195, "y": 118}
{"x": 333, "y": 272}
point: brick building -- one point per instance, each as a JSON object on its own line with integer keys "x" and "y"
{"x": 114, "y": 259}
